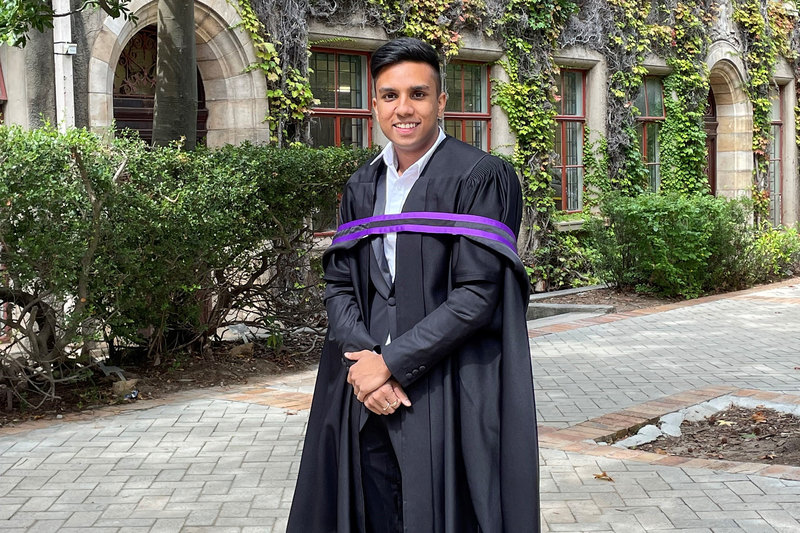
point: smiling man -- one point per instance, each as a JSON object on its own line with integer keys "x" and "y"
{"x": 423, "y": 418}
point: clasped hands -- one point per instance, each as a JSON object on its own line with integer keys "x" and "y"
{"x": 373, "y": 384}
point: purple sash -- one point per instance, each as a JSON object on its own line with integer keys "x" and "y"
{"x": 428, "y": 222}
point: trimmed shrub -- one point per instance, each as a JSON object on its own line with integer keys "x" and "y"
{"x": 152, "y": 248}
{"x": 673, "y": 244}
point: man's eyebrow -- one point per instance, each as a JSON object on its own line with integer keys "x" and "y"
{"x": 383, "y": 90}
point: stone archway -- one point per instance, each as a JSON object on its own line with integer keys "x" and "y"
{"x": 236, "y": 100}
{"x": 734, "y": 115}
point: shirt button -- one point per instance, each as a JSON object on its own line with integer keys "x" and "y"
{"x": 391, "y": 301}
{"x": 415, "y": 372}
{"x": 422, "y": 368}
{"x": 409, "y": 375}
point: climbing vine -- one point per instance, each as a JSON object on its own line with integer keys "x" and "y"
{"x": 683, "y": 136}
{"x": 528, "y": 31}
{"x": 288, "y": 94}
{"x": 435, "y": 21}
{"x": 624, "y": 32}
{"x": 760, "y": 55}
{"x": 595, "y": 171}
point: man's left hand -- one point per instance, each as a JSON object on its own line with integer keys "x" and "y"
{"x": 368, "y": 373}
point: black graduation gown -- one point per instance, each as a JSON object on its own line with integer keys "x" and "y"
{"x": 467, "y": 447}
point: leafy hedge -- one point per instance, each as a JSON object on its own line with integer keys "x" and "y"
{"x": 688, "y": 245}
{"x": 151, "y": 248}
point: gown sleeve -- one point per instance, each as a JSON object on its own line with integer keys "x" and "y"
{"x": 492, "y": 191}
{"x": 346, "y": 326}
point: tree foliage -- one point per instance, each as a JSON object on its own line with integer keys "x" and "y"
{"x": 19, "y": 17}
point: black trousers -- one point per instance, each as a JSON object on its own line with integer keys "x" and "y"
{"x": 381, "y": 482}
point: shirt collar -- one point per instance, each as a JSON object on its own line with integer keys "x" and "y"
{"x": 388, "y": 155}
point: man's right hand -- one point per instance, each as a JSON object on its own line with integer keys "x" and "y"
{"x": 387, "y": 398}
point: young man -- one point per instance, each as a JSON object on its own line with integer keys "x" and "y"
{"x": 423, "y": 417}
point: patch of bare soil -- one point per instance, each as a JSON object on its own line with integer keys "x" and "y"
{"x": 228, "y": 363}
{"x": 621, "y": 300}
{"x": 737, "y": 434}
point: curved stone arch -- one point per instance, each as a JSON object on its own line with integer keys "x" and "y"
{"x": 236, "y": 100}
{"x": 734, "y": 111}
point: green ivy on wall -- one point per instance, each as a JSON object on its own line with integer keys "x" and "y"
{"x": 760, "y": 56}
{"x": 528, "y": 31}
{"x": 289, "y": 94}
{"x": 435, "y": 21}
{"x": 683, "y": 136}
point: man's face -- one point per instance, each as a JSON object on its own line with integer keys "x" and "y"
{"x": 407, "y": 105}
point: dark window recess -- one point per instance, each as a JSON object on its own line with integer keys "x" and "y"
{"x": 135, "y": 87}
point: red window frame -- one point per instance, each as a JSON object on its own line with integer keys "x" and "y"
{"x": 778, "y": 162}
{"x": 561, "y": 130}
{"x": 464, "y": 116}
{"x": 338, "y": 113}
{"x": 647, "y": 118}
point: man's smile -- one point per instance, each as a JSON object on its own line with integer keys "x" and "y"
{"x": 406, "y": 125}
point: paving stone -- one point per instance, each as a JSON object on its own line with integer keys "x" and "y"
{"x": 216, "y": 464}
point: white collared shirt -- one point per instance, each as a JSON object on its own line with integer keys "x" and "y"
{"x": 397, "y": 189}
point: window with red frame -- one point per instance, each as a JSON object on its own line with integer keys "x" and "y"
{"x": 340, "y": 81}
{"x": 775, "y": 157}
{"x": 570, "y": 120}
{"x": 650, "y": 103}
{"x": 466, "y": 115}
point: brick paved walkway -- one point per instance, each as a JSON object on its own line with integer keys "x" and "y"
{"x": 226, "y": 460}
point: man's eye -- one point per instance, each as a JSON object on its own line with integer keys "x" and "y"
{"x": 419, "y": 94}
{"x": 389, "y": 96}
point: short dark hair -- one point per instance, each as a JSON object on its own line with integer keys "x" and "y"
{"x": 405, "y": 49}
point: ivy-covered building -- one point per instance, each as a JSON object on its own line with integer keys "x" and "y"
{"x": 659, "y": 95}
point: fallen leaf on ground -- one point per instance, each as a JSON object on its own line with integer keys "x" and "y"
{"x": 769, "y": 456}
{"x": 603, "y": 476}
{"x": 725, "y": 423}
{"x": 758, "y": 417}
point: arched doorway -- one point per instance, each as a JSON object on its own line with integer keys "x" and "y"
{"x": 710, "y": 120}
{"x": 733, "y": 115}
{"x": 135, "y": 87}
{"x": 235, "y": 96}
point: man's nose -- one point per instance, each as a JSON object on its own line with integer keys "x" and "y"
{"x": 404, "y": 106}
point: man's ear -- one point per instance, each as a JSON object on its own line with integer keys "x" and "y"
{"x": 442, "y": 101}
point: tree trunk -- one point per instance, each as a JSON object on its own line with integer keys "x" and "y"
{"x": 175, "y": 107}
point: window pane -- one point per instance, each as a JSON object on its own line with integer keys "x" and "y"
{"x": 655, "y": 98}
{"x": 572, "y": 99}
{"x": 453, "y": 88}
{"x": 775, "y": 145}
{"x": 640, "y": 137}
{"x": 323, "y": 78}
{"x": 476, "y": 133}
{"x": 322, "y": 131}
{"x": 775, "y": 111}
{"x": 774, "y": 192}
{"x": 652, "y": 142}
{"x": 453, "y": 128}
{"x": 655, "y": 177}
{"x": 557, "y": 148}
{"x": 574, "y": 188}
{"x": 351, "y": 81}
{"x": 574, "y": 146}
{"x": 640, "y": 102}
{"x": 556, "y": 185}
{"x": 353, "y": 132}
{"x": 473, "y": 89}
